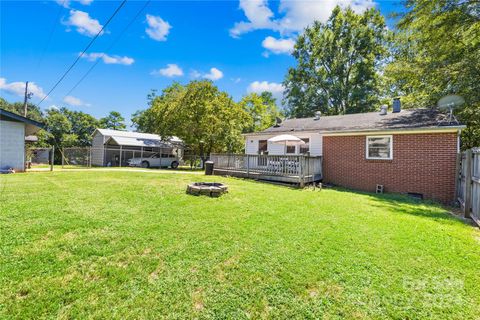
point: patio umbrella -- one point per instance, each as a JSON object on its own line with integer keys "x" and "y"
{"x": 286, "y": 140}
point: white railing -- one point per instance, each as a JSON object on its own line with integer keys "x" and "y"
{"x": 298, "y": 166}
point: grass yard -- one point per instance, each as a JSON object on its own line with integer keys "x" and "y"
{"x": 134, "y": 245}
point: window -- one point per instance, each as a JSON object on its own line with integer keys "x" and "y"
{"x": 262, "y": 146}
{"x": 304, "y": 148}
{"x": 379, "y": 147}
{"x": 290, "y": 149}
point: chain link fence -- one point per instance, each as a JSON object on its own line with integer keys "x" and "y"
{"x": 39, "y": 158}
{"x": 150, "y": 157}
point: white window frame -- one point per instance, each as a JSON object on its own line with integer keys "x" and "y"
{"x": 378, "y": 158}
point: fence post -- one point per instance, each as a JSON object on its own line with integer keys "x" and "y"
{"x": 248, "y": 166}
{"x": 468, "y": 183}
{"x": 458, "y": 176}
{"x": 52, "y": 158}
{"x": 90, "y": 157}
{"x": 120, "y": 158}
{"x": 62, "y": 152}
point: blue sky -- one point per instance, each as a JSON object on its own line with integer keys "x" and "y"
{"x": 243, "y": 46}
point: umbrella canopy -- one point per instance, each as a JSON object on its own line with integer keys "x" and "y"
{"x": 286, "y": 139}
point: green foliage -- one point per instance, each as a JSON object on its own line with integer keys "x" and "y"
{"x": 261, "y": 109}
{"x": 133, "y": 245}
{"x": 113, "y": 120}
{"x": 82, "y": 125}
{"x": 33, "y": 112}
{"x": 59, "y": 130}
{"x": 338, "y": 65}
{"x": 437, "y": 52}
{"x": 205, "y": 118}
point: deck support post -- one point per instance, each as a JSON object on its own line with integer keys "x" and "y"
{"x": 302, "y": 171}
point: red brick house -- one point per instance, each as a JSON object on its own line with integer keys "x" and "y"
{"x": 408, "y": 151}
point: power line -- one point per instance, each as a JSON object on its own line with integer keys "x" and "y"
{"x": 108, "y": 48}
{"x": 83, "y": 52}
{"x": 52, "y": 31}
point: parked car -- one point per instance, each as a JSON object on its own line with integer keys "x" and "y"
{"x": 155, "y": 160}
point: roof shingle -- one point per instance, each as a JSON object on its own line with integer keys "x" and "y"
{"x": 371, "y": 121}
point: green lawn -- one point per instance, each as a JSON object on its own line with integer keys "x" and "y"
{"x": 134, "y": 245}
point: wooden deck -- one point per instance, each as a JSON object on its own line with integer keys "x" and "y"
{"x": 295, "y": 169}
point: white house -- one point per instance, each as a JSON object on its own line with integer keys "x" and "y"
{"x": 114, "y": 147}
{"x": 13, "y": 130}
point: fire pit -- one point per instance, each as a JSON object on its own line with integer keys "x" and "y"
{"x": 212, "y": 189}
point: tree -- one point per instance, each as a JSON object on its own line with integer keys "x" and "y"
{"x": 205, "y": 118}
{"x": 114, "y": 121}
{"x": 82, "y": 125}
{"x": 261, "y": 109}
{"x": 33, "y": 112}
{"x": 59, "y": 130}
{"x": 338, "y": 65}
{"x": 437, "y": 52}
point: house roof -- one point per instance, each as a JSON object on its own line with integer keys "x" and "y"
{"x": 31, "y": 126}
{"x": 138, "y": 139}
{"x": 371, "y": 121}
{"x": 137, "y": 142}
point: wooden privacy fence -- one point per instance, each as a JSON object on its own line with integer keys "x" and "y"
{"x": 468, "y": 185}
{"x": 285, "y": 168}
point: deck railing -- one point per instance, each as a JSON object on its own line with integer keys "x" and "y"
{"x": 298, "y": 167}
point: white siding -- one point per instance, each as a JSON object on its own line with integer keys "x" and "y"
{"x": 251, "y": 144}
{"x": 12, "y": 145}
{"x": 316, "y": 144}
{"x": 97, "y": 149}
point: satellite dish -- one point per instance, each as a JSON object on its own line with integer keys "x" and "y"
{"x": 449, "y": 103}
{"x": 278, "y": 121}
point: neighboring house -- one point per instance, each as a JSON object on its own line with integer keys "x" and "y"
{"x": 114, "y": 147}
{"x": 13, "y": 130}
{"x": 407, "y": 151}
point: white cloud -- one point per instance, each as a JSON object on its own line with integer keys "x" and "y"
{"x": 18, "y": 88}
{"x": 261, "y": 86}
{"x": 214, "y": 74}
{"x": 158, "y": 28}
{"x": 84, "y": 23}
{"x": 293, "y": 16}
{"x": 195, "y": 74}
{"x": 75, "y": 102}
{"x": 278, "y": 46}
{"x": 67, "y": 3}
{"x": 172, "y": 70}
{"x": 258, "y": 14}
{"x": 109, "y": 59}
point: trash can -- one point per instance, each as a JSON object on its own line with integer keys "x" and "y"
{"x": 208, "y": 168}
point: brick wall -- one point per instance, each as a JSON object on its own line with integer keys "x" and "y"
{"x": 422, "y": 163}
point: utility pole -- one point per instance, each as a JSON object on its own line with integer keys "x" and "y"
{"x": 25, "y": 101}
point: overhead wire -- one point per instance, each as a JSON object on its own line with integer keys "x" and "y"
{"x": 108, "y": 48}
{"x": 83, "y": 52}
{"x": 52, "y": 31}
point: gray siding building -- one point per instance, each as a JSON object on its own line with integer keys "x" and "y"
{"x": 13, "y": 130}
{"x": 114, "y": 147}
